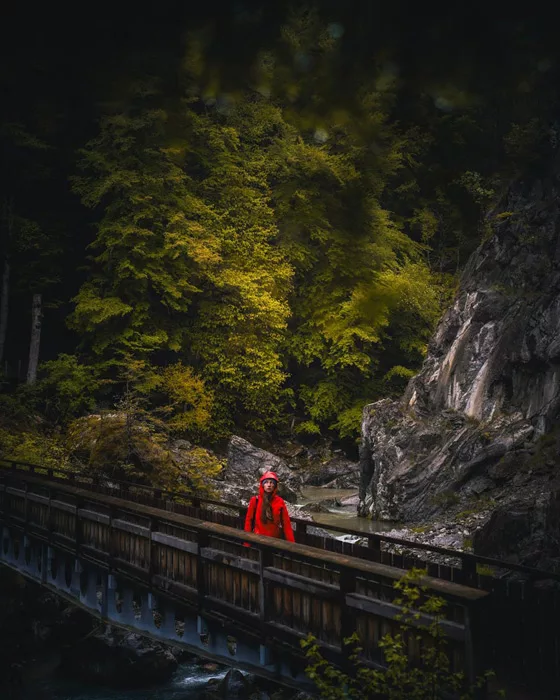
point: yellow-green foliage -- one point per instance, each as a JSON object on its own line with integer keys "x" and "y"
{"x": 129, "y": 445}
{"x": 189, "y": 404}
{"x": 241, "y": 237}
{"x": 67, "y": 386}
{"x": 38, "y": 448}
{"x": 242, "y": 313}
{"x": 398, "y": 377}
{"x": 428, "y": 678}
{"x": 152, "y": 245}
{"x": 287, "y": 224}
{"x": 484, "y": 570}
{"x": 201, "y": 465}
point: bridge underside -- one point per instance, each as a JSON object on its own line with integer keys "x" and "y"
{"x": 128, "y": 604}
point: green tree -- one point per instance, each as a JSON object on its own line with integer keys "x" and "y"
{"x": 241, "y": 314}
{"x": 250, "y": 242}
{"x": 290, "y": 249}
{"x": 363, "y": 296}
{"x": 152, "y": 246}
{"x": 186, "y": 259}
{"x": 29, "y": 247}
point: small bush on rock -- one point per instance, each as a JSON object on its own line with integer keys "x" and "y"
{"x": 131, "y": 443}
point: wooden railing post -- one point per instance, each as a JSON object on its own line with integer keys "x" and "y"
{"x": 151, "y": 551}
{"x": 7, "y": 501}
{"x": 265, "y": 560}
{"x": 474, "y": 646}
{"x": 301, "y": 532}
{"x": 374, "y": 545}
{"x": 50, "y": 521}
{"x": 26, "y": 505}
{"x": 112, "y": 539}
{"x": 468, "y": 566}
{"x": 202, "y": 541}
{"x": 78, "y": 529}
{"x": 347, "y": 583}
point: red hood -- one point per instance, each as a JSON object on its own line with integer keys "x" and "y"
{"x": 268, "y": 475}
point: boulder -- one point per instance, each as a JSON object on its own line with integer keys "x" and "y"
{"x": 526, "y": 530}
{"x": 507, "y": 467}
{"x": 247, "y": 463}
{"x": 235, "y": 685}
{"x": 337, "y": 472}
{"x": 118, "y": 659}
{"x": 477, "y": 486}
{"x": 501, "y": 535}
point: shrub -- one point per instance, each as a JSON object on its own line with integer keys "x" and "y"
{"x": 39, "y": 448}
{"x": 430, "y": 678}
{"x": 131, "y": 443}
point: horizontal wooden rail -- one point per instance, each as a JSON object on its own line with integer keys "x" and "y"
{"x": 264, "y": 543}
{"x": 277, "y": 588}
{"x": 469, "y": 561}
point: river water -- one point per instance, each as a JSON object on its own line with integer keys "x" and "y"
{"x": 188, "y": 683}
{"x": 340, "y": 505}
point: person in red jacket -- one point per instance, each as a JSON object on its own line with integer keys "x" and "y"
{"x": 267, "y": 513}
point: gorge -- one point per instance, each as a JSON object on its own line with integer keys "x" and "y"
{"x": 477, "y": 428}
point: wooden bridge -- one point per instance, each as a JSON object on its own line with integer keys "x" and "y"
{"x": 178, "y": 568}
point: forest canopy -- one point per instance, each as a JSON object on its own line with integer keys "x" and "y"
{"x": 252, "y": 220}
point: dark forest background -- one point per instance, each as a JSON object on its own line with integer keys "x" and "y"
{"x": 248, "y": 216}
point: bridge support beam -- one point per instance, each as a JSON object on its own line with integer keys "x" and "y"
{"x": 219, "y": 642}
{"x": 146, "y": 621}
{"x": 50, "y": 557}
{"x": 190, "y": 631}
{"x": 109, "y": 599}
{"x": 88, "y": 593}
{"x": 77, "y": 578}
{"x": 167, "y": 612}
{"x": 5, "y": 544}
{"x": 264, "y": 655}
{"x": 44, "y": 567}
{"x": 126, "y": 602}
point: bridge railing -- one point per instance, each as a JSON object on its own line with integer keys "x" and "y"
{"x": 470, "y": 569}
{"x": 522, "y": 634}
{"x": 273, "y": 589}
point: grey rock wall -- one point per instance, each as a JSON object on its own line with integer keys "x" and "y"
{"x": 489, "y": 389}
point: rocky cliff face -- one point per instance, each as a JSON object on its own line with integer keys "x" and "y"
{"x": 476, "y": 427}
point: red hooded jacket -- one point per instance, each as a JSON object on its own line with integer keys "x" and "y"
{"x": 280, "y": 518}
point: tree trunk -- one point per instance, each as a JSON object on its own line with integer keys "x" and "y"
{"x": 4, "y": 307}
{"x": 8, "y": 220}
{"x": 35, "y": 339}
